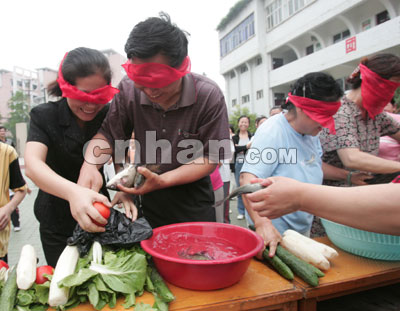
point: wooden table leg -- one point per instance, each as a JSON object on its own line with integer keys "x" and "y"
{"x": 308, "y": 304}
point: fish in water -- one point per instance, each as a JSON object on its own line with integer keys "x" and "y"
{"x": 201, "y": 255}
{"x": 249, "y": 188}
{"x": 129, "y": 177}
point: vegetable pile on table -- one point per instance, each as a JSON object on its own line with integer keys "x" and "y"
{"x": 100, "y": 277}
{"x": 302, "y": 256}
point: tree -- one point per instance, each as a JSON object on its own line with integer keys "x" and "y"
{"x": 233, "y": 118}
{"x": 19, "y": 111}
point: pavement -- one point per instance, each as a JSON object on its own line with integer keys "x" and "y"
{"x": 29, "y": 233}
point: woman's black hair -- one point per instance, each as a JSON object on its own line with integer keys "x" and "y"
{"x": 80, "y": 63}
{"x": 386, "y": 65}
{"x": 316, "y": 85}
{"x": 158, "y": 35}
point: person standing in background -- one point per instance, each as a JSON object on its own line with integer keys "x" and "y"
{"x": 240, "y": 140}
{"x": 389, "y": 148}
{"x": 225, "y": 171}
{"x": 15, "y": 214}
{"x": 10, "y": 178}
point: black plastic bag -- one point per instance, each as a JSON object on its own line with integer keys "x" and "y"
{"x": 120, "y": 232}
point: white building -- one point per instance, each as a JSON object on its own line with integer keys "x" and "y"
{"x": 268, "y": 44}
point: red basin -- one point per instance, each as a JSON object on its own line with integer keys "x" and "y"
{"x": 223, "y": 270}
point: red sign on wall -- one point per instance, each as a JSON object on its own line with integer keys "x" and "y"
{"x": 351, "y": 45}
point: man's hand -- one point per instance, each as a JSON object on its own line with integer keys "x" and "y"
{"x": 152, "y": 182}
{"x": 81, "y": 204}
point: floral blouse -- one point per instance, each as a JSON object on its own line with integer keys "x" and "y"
{"x": 354, "y": 132}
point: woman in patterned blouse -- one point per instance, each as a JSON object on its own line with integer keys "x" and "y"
{"x": 360, "y": 121}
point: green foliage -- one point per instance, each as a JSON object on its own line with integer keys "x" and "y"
{"x": 19, "y": 111}
{"x": 233, "y": 12}
{"x": 233, "y": 118}
{"x": 397, "y": 99}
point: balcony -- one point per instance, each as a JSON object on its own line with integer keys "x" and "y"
{"x": 384, "y": 37}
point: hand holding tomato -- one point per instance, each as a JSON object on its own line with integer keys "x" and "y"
{"x": 103, "y": 210}
{"x": 40, "y": 271}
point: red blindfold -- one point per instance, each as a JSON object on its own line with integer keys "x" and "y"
{"x": 99, "y": 96}
{"x": 319, "y": 111}
{"x": 155, "y": 75}
{"x": 376, "y": 91}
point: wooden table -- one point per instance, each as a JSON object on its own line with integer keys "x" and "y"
{"x": 348, "y": 274}
{"x": 259, "y": 289}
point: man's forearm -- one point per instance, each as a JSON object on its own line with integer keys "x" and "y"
{"x": 187, "y": 173}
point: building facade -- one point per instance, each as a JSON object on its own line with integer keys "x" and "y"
{"x": 33, "y": 83}
{"x": 269, "y": 44}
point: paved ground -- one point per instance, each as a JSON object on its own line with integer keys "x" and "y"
{"x": 29, "y": 233}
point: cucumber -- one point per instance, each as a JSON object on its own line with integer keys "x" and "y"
{"x": 9, "y": 293}
{"x": 301, "y": 268}
{"x": 159, "y": 285}
{"x": 318, "y": 272}
{"x": 279, "y": 265}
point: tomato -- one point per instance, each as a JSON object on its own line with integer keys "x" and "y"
{"x": 3, "y": 264}
{"x": 40, "y": 278}
{"x": 103, "y": 210}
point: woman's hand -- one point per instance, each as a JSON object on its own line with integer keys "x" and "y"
{"x": 359, "y": 178}
{"x": 90, "y": 177}
{"x": 126, "y": 200}
{"x": 270, "y": 235}
{"x": 81, "y": 201}
{"x": 5, "y": 216}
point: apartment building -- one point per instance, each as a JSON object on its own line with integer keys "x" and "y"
{"x": 268, "y": 44}
{"x": 33, "y": 83}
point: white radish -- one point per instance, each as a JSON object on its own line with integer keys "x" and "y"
{"x": 66, "y": 265}
{"x": 326, "y": 250}
{"x": 97, "y": 252}
{"x": 305, "y": 251}
{"x": 26, "y": 268}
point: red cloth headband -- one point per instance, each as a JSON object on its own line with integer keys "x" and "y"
{"x": 376, "y": 91}
{"x": 155, "y": 75}
{"x": 318, "y": 110}
{"x": 99, "y": 96}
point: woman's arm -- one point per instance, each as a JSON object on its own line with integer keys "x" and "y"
{"x": 80, "y": 198}
{"x": 373, "y": 207}
{"x": 6, "y": 210}
{"x": 355, "y": 159}
{"x": 264, "y": 226}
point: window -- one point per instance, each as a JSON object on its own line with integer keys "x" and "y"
{"x": 280, "y": 10}
{"x": 382, "y": 17}
{"x": 341, "y": 36}
{"x": 274, "y": 14}
{"x": 234, "y": 102}
{"x": 260, "y": 94}
{"x": 279, "y": 99}
{"x": 232, "y": 74}
{"x": 310, "y": 49}
{"x": 243, "y": 69}
{"x": 240, "y": 34}
{"x": 366, "y": 24}
{"x": 258, "y": 61}
{"x": 277, "y": 62}
{"x": 245, "y": 99}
